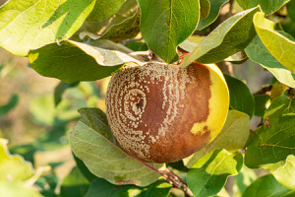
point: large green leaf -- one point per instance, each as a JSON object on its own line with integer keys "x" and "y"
{"x": 72, "y": 61}
{"x": 267, "y": 6}
{"x": 266, "y": 186}
{"x": 102, "y": 188}
{"x": 4, "y": 109}
{"x": 104, "y": 9}
{"x": 13, "y": 167}
{"x": 260, "y": 104}
{"x": 272, "y": 142}
{"x": 213, "y": 13}
{"x": 26, "y": 25}
{"x": 232, "y": 137}
{"x": 281, "y": 47}
{"x": 74, "y": 184}
{"x": 17, "y": 189}
{"x": 257, "y": 52}
{"x": 92, "y": 142}
{"x": 219, "y": 44}
{"x": 241, "y": 98}
{"x": 286, "y": 173}
{"x": 95, "y": 30}
{"x": 208, "y": 175}
{"x": 165, "y": 24}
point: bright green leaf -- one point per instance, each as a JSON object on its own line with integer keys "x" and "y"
{"x": 286, "y": 173}
{"x": 267, "y": 6}
{"x": 260, "y": 104}
{"x": 73, "y": 61}
{"x": 232, "y": 137}
{"x": 104, "y": 9}
{"x": 102, "y": 188}
{"x": 219, "y": 44}
{"x": 13, "y": 167}
{"x": 208, "y": 175}
{"x": 92, "y": 142}
{"x": 205, "y": 8}
{"x": 241, "y": 98}
{"x": 266, "y": 186}
{"x": 17, "y": 189}
{"x": 213, "y": 13}
{"x": 272, "y": 142}
{"x": 74, "y": 184}
{"x": 279, "y": 106}
{"x": 9, "y": 106}
{"x": 257, "y": 52}
{"x": 165, "y": 24}
{"x": 26, "y": 25}
{"x": 278, "y": 45}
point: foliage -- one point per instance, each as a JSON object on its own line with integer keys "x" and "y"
{"x": 82, "y": 43}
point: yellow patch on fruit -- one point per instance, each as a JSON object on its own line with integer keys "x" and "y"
{"x": 218, "y": 104}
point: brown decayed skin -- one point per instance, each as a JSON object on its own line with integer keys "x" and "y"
{"x": 151, "y": 110}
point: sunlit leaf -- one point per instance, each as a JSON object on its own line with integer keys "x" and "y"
{"x": 93, "y": 143}
{"x": 281, "y": 47}
{"x": 100, "y": 187}
{"x": 73, "y": 61}
{"x": 267, "y": 6}
{"x": 219, "y": 44}
{"x": 26, "y": 25}
{"x": 208, "y": 175}
{"x": 17, "y": 189}
{"x": 165, "y": 24}
{"x": 232, "y": 137}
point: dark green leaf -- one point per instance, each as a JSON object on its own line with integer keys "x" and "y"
{"x": 93, "y": 143}
{"x": 241, "y": 98}
{"x": 60, "y": 89}
{"x": 104, "y": 9}
{"x": 179, "y": 165}
{"x": 165, "y": 24}
{"x": 73, "y": 61}
{"x": 74, "y": 184}
{"x": 205, "y": 8}
{"x": 278, "y": 45}
{"x": 291, "y": 10}
{"x": 102, "y": 188}
{"x": 4, "y": 109}
{"x": 213, "y": 13}
{"x": 26, "y": 25}
{"x": 267, "y": 6}
{"x": 260, "y": 104}
{"x": 84, "y": 170}
{"x": 281, "y": 105}
{"x": 208, "y": 175}
{"x": 219, "y": 44}
{"x": 266, "y": 186}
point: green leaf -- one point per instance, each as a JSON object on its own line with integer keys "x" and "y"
{"x": 232, "y": 137}
{"x": 104, "y": 9}
{"x": 237, "y": 58}
{"x": 84, "y": 170}
{"x": 73, "y": 61}
{"x": 205, "y": 8}
{"x": 13, "y": 167}
{"x": 241, "y": 98}
{"x": 93, "y": 143}
{"x": 95, "y": 30}
{"x": 260, "y": 104}
{"x": 243, "y": 180}
{"x": 165, "y": 24}
{"x": 74, "y": 184}
{"x": 291, "y": 9}
{"x": 26, "y": 25}
{"x": 9, "y": 106}
{"x": 60, "y": 89}
{"x": 213, "y": 13}
{"x": 17, "y": 189}
{"x": 266, "y": 186}
{"x": 272, "y": 142}
{"x": 257, "y": 52}
{"x": 267, "y": 6}
{"x": 102, "y": 188}
{"x": 208, "y": 175}
{"x": 219, "y": 44}
{"x": 278, "y": 45}
{"x": 286, "y": 173}
{"x": 279, "y": 106}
